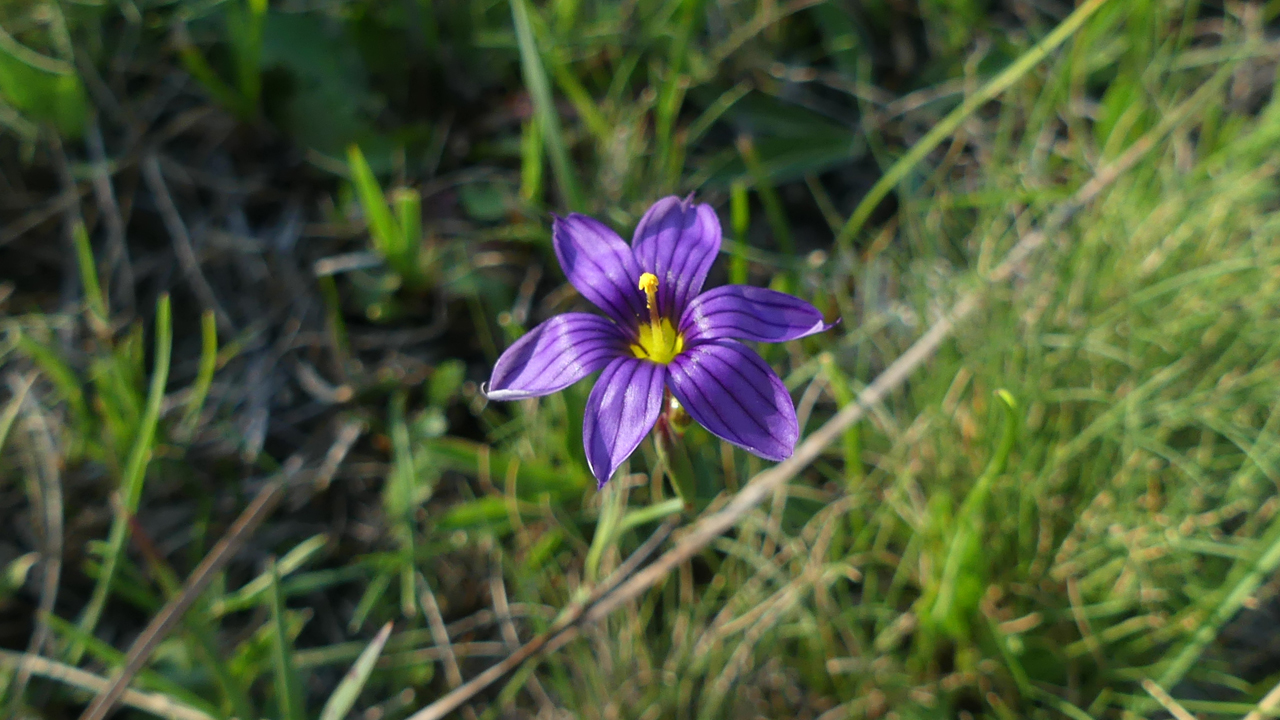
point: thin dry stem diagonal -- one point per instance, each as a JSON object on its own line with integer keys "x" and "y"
{"x": 763, "y": 485}
{"x": 172, "y": 612}
{"x": 438, "y": 633}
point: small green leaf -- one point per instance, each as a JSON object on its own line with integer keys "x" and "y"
{"x": 344, "y": 696}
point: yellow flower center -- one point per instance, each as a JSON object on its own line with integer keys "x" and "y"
{"x": 658, "y": 341}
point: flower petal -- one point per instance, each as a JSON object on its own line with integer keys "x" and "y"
{"x": 555, "y": 355}
{"x": 677, "y": 240}
{"x": 600, "y": 265}
{"x": 733, "y": 393}
{"x": 621, "y": 410}
{"x": 744, "y": 312}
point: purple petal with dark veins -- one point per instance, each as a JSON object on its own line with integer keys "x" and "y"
{"x": 744, "y": 312}
{"x": 730, "y": 391}
{"x": 621, "y": 410}
{"x": 601, "y": 266}
{"x": 677, "y": 240}
{"x": 555, "y": 355}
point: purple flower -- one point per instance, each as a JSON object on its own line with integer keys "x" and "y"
{"x": 660, "y": 331}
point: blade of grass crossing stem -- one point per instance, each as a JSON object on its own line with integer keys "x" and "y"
{"x": 383, "y": 228}
{"x": 535, "y": 79}
{"x": 93, "y": 296}
{"x": 135, "y": 472}
{"x": 943, "y": 130}
{"x": 344, "y": 696}
{"x": 204, "y": 375}
{"x": 740, "y": 219}
{"x": 288, "y": 691}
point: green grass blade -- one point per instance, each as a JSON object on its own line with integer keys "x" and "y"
{"x": 531, "y": 158}
{"x": 385, "y": 232}
{"x": 408, "y": 205}
{"x": 288, "y": 691}
{"x": 251, "y": 592}
{"x": 715, "y": 110}
{"x": 404, "y": 488}
{"x": 61, "y": 376}
{"x": 135, "y": 471}
{"x": 344, "y": 696}
{"x": 966, "y": 542}
{"x": 246, "y": 21}
{"x": 204, "y": 375}
{"x": 852, "y": 440}
{"x": 200, "y": 69}
{"x": 376, "y": 588}
{"x": 768, "y": 197}
{"x": 943, "y": 130}
{"x": 671, "y": 97}
{"x": 535, "y": 79}
{"x": 740, "y": 221}
{"x": 93, "y": 295}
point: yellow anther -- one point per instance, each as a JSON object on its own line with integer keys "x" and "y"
{"x": 649, "y": 284}
{"x": 658, "y": 340}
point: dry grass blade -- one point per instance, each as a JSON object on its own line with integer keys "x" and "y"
{"x": 172, "y": 612}
{"x": 502, "y": 608}
{"x": 564, "y": 630}
{"x": 47, "y": 494}
{"x": 438, "y": 632}
{"x": 764, "y": 484}
{"x": 154, "y": 703}
{"x": 1166, "y": 700}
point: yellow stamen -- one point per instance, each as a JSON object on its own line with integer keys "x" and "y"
{"x": 649, "y": 284}
{"x": 657, "y": 341}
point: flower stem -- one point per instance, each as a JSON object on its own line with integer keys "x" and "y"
{"x": 675, "y": 462}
